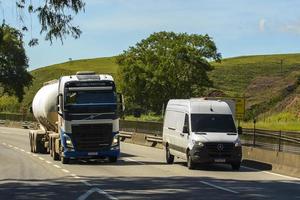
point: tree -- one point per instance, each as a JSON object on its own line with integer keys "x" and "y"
{"x": 13, "y": 63}
{"x": 55, "y": 17}
{"x": 166, "y": 65}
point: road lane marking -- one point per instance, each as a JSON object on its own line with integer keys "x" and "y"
{"x": 219, "y": 187}
{"x": 86, "y": 183}
{"x": 22, "y": 150}
{"x": 57, "y": 166}
{"x": 272, "y": 173}
{"x": 48, "y": 162}
{"x": 132, "y": 160}
{"x": 28, "y": 152}
{"x": 41, "y": 158}
{"x": 91, "y": 191}
{"x": 34, "y": 155}
{"x": 66, "y": 171}
{"x": 4, "y": 143}
{"x": 75, "y": 176}
{"x": 16, "y": 148}
{"x": 10, "y": 146}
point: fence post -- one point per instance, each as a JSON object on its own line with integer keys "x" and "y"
{"x": 254, "y": 131}
{"x": 279, "y": 141}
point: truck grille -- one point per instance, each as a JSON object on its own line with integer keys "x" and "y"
{"x": 216, "y": 149}
{"x": 92, "y": 137}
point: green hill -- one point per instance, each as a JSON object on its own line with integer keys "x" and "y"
{"x": 269, "y": 86}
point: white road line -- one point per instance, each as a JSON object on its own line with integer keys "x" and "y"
{"x": 91, "y": 191}
{"x": 86, "y": 183}
{"x": 75, "y": 176}
{"x": 66, "y": 171}
{"x": 41, "y": 158}
{"x": 132, "y": 160}
{"x": 34, "y": 155}
{"x": 4, "y": 143}
{"x": 219, "y": 187}
{"x": 22, "y": 150}
{"x": 10, "y": 146}
{"x": 57, "y": 166}
{"x": 272, "y": 173}
{"x": 28, "y": 152}
{"x": 16, "y": 148}
{"x": 48, "y": 162}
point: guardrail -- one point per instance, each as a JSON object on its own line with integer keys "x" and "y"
{"x": 281, "y": 141}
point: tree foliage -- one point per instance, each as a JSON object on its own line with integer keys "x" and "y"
{"x": 55, "y": 17}
{"x": 13, "y": 63}
{"x": 166, "y": 65}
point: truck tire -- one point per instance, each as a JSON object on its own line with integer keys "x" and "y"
{"x": 169, "y": 156}
{"x": 30, "y": 142}
{"x": 112, "y": 159}
{"x": 236, "y": 166}
{"x": 65, "y": 160}
{"x": 55, "y": 154}
{"x": 190, "y": 163}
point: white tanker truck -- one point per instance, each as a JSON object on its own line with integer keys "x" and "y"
{"x": 78, "y": 117}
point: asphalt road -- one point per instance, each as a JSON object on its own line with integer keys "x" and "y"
{"x": 140, "y": 173}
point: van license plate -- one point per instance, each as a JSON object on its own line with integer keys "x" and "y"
{"x": 220, "y": 160}
{"x": 92, "y": 153}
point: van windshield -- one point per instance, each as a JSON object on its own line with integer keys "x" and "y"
{"x": 212, "y": 123}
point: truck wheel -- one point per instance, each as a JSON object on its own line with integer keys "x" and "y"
{"x": 190, "y": 163}
{"x": 169, "y": 156}
{"x": 113, "y": 159}
{"x": 236, "y": 166}
{"x": 65, "y": 160}
{"x": 30, "y": 142}
{"x": 54, "y": 153}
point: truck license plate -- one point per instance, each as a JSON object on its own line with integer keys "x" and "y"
{"x": 92, "y": 153}
{"x": 220, "y": 160}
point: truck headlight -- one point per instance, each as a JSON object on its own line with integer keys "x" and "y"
{"x": 69, "y": 142}
{"x": 238, "y": 143}
{"x": 198, "y": 143}
{"x": 115, "y": 141}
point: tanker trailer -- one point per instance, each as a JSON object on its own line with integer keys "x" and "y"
{"x": 78, "y": 117}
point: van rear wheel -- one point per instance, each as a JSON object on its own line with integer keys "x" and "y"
{"x": 169, "y": 156}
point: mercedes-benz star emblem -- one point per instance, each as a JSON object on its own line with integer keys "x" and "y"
{"x": 220, "y": 147}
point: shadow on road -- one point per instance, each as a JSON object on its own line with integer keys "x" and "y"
{"x": 179, "y": 187}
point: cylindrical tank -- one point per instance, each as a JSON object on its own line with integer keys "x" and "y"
{"x": 44, "y": 106}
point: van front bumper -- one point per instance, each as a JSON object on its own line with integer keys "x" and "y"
{"x": 205, "y": 155}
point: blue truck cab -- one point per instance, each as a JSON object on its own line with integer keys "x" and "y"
{"x": 88, "y": 110}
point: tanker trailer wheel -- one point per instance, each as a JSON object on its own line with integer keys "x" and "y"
{"x": 30, "y": 141}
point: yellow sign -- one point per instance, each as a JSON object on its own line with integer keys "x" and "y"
{"x": 239, "y": 108}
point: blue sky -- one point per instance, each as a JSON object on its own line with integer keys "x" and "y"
{"x": 238, "y": 27}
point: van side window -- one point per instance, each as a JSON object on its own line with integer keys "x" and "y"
{"x": 186, "y": 121}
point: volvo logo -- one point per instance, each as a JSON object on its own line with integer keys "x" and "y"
{"x": 220, "y": 147}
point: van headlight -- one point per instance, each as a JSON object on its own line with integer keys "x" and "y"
{"x": 238, "y": 143}
{"x": 69, "y": 142}
{"x": 198, "y": 143}
{"x": 115, "y": 141}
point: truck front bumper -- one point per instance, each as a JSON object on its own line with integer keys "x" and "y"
{"x": 98, "y": 154}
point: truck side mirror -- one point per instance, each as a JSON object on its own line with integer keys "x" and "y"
{"x": 58, "y": 104}
{"x": 240, "y": 130}
{"x": 30, "y": 109}
{"x": 185, "y": 129}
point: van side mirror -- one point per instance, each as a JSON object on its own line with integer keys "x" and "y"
{"x": 185, "y": 129}
{"x": 30, "y": 109}
{"x": 240, "y": 130}
{"x": 58, "y": 104}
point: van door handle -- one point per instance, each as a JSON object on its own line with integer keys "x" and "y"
{"x": 182, "y": 134}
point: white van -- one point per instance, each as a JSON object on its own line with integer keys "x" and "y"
{"x": 201, "y": 131}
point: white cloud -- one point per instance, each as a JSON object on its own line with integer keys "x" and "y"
{"x": 262, "y": 25}
{"x": 293, "y": 27}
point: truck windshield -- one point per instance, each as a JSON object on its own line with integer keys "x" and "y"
{"x": 90, "y": 97}
{"x": 212, "y": 123}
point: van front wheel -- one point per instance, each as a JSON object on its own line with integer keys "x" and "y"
{"x": 190, "y": 163}
{"x": 169, "y": 156}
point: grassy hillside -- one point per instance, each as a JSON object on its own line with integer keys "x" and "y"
{"x": 271, "y": 89}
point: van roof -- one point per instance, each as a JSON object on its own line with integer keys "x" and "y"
{"x": 199, "y": 105}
